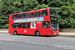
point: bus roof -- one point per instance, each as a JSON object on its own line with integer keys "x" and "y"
{"x": 31, "y": 11}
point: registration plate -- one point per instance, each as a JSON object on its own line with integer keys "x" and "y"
{"x": 55, "y": 33}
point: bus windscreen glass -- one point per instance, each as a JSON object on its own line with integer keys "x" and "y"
{"x": 52, "y": 12}
{"x": 54, "y": 19}
{"x": 54, "y": 25}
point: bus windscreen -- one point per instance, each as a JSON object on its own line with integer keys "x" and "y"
{"x": 53, "y": 12}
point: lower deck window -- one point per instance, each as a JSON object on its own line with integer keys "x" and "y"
{"x": 24, "y": 25}
{"x": 28, "y": 25}
{"x": 12, "y": 25}
{"x": 46, "y": 25}
{"x": 15, "y": 25}
{"x": 19, "y": 25}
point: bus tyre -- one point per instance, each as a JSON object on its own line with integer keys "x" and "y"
{"x": 37, "y": 33}
{"x": 15, "y": 32}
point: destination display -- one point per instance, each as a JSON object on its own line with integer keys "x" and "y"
{"x": 54, "y": 19}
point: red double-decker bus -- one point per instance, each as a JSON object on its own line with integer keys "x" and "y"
{"x": 38, "y": 22}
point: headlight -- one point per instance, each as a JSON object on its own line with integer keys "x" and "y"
{"x": 51, "y": 31}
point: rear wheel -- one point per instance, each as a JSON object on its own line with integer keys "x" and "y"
{"x": 15, "y": 32}
{"x": 37, "y": 33}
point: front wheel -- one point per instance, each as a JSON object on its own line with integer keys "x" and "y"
{"x": 37, "y": 33}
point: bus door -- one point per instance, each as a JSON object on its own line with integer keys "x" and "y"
{"x": 45, "y": 28}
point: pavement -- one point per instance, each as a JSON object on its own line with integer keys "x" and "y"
{"x": 68, "y": 34}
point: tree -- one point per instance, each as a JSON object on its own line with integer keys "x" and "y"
{"x": 14, "y": 6}
{"x": 65, "y": 9}
{"x": 66, "y": 17}
{"x": 41, "y": 6}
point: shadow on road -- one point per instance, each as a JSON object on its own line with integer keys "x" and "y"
{"x": 37, "y": 36}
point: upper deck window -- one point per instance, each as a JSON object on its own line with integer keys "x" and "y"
{"x": 37, "y": 14}
{"x": 16, "y": 16}
{"x": 44, "y": 12}
{"x": 20, "y": 15}
{"x": 24, "y": 15}
{"x": 31, "y": 15}
{"x": 12, "y": 16}
{"x": 53, "y": 12}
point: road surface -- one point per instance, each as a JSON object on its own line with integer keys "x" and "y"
{"x": 25, "y": 42}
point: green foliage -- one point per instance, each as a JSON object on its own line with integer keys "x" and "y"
{"x": 6, "y": 26}
{"x": 14, "y": 6}
{"x": 66, "y": 17}
{"x": 59, "y": 3}
{"x": 65, "y": 9}
{"x": 41, "y": 6}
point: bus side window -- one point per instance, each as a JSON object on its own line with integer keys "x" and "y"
{"x": 12, "y": 16}
{"x": 24, "y": 25}
{"x": 30, "y": 15}
{"x": 28, "y": 25}
{"x": 24, "y": 15}
{"x": 44, "y": 12}
{"x": 16, "y": 16}
{"x": 46, "y": 25}
{"x": 20, "y": 15}
{"x": 12, "y": 25}
{"x": 16, "y": 25}
{"x": 37, "y": 14}
{"x": 19, "y": 25}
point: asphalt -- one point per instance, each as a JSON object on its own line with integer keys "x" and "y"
{"x": 23, "y": 42}
{"x": 66, "y": 34}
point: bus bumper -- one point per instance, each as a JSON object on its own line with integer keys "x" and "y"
{"x": 54, "y": 33}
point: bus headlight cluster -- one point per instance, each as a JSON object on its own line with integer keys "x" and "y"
{"x": 51, "y": 31}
